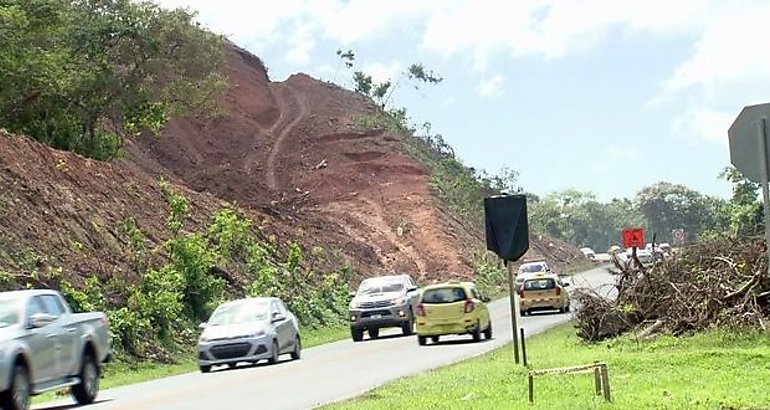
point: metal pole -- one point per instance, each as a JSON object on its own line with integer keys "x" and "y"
{"x": 514, "y": 324}
{"x": 523, "y": 348}
{"x": 765, "y": 195}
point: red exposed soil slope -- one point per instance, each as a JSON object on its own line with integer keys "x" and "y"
{"x": 290, "y": 148}
{"x": 285, "y": 151}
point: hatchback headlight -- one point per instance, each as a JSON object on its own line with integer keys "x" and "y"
{"x": 258, "y": 333}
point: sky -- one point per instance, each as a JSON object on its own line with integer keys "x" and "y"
{"x": 607, "y": 96}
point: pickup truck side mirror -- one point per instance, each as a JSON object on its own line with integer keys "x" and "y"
{"x": 352, "y": 295}
{"x": 277, "y": 317}
{"x": 39, "y": 320}
{"x": 202, "y": 326}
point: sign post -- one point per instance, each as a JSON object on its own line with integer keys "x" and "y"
{"x": 749, "y": 154}
{"x": 507, "y": 232}
{"x": 762, "y": 135}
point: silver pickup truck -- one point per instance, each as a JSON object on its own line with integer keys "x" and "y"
{"x": 44, "y": 346}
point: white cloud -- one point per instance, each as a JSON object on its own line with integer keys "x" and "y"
{"x": 554, "y": 28}
{"x": 704, "y": 123}
{"x": 383, "y": 72}
{"x": 728, "y": 69}
{"x": 301, "y": 43}
{"x": 491, "y": 87}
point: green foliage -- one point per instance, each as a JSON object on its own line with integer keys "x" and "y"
{"x": 229, "y": 234}
{"x": 316, "y": 300}
{"x": 744, "y": 211}
{"x": 82, "y": 75}
{"x": 577, "y": 217}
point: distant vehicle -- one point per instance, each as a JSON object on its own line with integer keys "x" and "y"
{"x": 248, "y": 330}
{"x": 647, "y": 258}
{"x": 382, "y": 302}
{"x": 528, "y": 270}
{"x": 452, "y": 308}
{"x": 614, "y": 249}
{"x": 588, "y": 253}
{"x": 534, "y": 267}
{"x": 45, "y": 347}
{"x": 544, "y": 292}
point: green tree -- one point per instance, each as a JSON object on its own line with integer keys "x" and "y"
{"x": 668, "y": 206}
{"x": 744, "y": 211}
{"x": 83, "y": 75}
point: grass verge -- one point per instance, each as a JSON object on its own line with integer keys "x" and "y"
{"x": 716, "y": 369}
{"x": 122, "y": 373}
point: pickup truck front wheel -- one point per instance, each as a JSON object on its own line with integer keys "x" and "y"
{"x": 17, "y": 396}
{"x": 85, "y": 392}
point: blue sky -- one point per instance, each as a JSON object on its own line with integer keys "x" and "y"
{"x": 606, "y": 96}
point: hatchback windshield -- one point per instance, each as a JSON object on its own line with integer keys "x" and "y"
{"x": 240, "y": 312}
{"x": 444, "y": 295}
{"x": 371, "y": 286}
{"x": 539, "y": 284}
{"x": 9, "y": 312}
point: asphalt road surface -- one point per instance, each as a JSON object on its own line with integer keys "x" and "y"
{"x": 327, "y": 373}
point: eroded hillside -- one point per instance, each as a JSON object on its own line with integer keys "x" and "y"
{"x": 293, "y": 150}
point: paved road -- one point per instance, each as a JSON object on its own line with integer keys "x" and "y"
{"x": 325, "y": 373}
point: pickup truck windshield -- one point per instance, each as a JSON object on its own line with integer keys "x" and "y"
{"x": 532, "y": 268}
{"x": 242, "y": 312}
{"x": 9, "y": 312}
{"x": 369, "y": 287}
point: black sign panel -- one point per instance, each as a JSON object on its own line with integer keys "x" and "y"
{"x": 507, "y": 227}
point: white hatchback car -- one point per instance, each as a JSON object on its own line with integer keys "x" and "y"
{"x": 248, "y": 330}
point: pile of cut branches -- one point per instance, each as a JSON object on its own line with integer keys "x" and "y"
{"x": 722, "y": 283}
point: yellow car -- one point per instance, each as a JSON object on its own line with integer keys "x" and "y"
{"x": 543, "y": 292}
{"x": 452, "y": 308}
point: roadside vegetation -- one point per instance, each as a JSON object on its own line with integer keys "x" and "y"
{"x": 177, "y": 284}
{"x": 714, "y": 369}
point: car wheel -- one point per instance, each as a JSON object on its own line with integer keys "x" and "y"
{"x": 421, "y": 340}
{"x": 273, "y": 354}
{"x": 477, "y": 332}
{"x": 408, "y": 327}
{"x": 204, "y": 369}
{"x": 232, "y": 365}
{"x": 17, "y": 395}
{"x": 373, "y": 332}
{"x": 488, "y": 331}
{"x": 434, "y": 339}
{"x": 297, "y": 352}
{"x": 85, "y": 392}
{"x": 357, "y": 334}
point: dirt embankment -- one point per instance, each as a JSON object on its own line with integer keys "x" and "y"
{"x": 290, "y": 149}
{"x": 288, "y": 153}
{"x": 60, "y": 210}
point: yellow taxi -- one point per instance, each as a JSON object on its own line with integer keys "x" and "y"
{"x": 452, "y": 308}
{"x": 543, "y": 292}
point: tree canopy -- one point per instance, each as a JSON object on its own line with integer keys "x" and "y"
{"x": 82, "y": 75}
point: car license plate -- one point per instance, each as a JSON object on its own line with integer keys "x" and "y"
{"x": 376, "y": 316}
